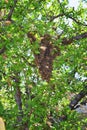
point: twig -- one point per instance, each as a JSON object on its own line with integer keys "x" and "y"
{"x": 78, "y": 22}
{"x": 67, "y": 15}
{"x": 57, "y": 16}
{"x": 2, "y": 50}
{"x": 32, "y": 65}
{"x": 11, "y": 10}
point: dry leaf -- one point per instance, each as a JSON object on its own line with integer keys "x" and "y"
{"x": 6, "y": 1}
{"x": 8, "y": 22}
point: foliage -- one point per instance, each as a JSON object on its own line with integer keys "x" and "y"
{"x": 26, "y": 100}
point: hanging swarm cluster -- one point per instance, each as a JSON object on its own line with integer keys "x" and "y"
{"x": 44, "y": 60}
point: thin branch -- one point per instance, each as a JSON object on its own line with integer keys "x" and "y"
{"x": 61, "y": 7}
{"x": 78, "y": 98}
{"x": 11, "y": 10}
{"x": 18, "y": 97}
{"x": 57, "y": 16}
{"x": 2, "y": 50}
{"x": 81, "y": 36}
{"x": 78, "y": 22}
{"x": 66, "y": 15}
{"x": 66, "y": 41}
{"x": 26, "y": 61}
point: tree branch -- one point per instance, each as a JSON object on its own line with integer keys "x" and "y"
{"x": 78, "y": 22}
{"x": 2, "y": 50}
{"x": 11, "y": 10}
{"x": 18, "y": 97}
{"x": 57, "y": 16}
{"x": 66, "y": 15}
{"x": 66, "y": 41}
{"x": 77, "y": 98}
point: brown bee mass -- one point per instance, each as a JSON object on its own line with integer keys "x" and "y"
{"x": 44, "y": 60}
